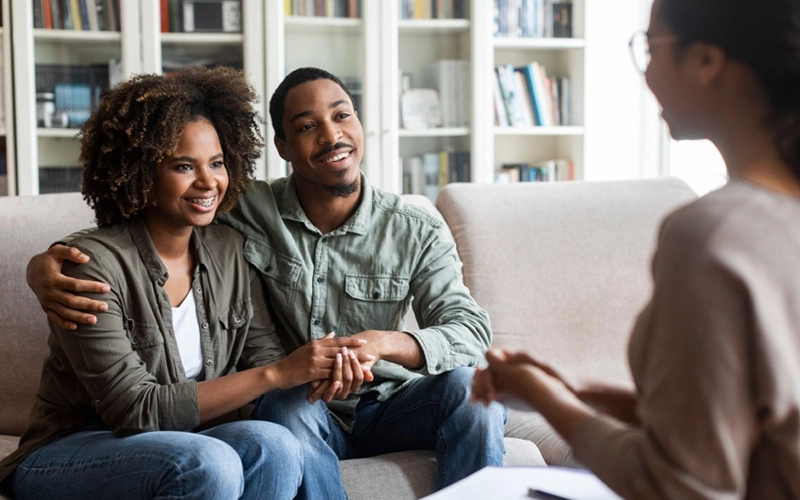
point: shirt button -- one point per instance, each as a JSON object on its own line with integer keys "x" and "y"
{"x": 320, "y": 279}
{"x": 317, "y": 322}
{"x": 198, "y": 290}
{"x": 209, "y": 362}
{"x": 205, "y": 325}
{"x": 376, "y": 295}
{"x": 96, "y": 403}
{"x": 267, "y": 268}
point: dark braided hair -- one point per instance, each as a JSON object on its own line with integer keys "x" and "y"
{"x": 765, "y": 35}
{"x": 139, "y": 123}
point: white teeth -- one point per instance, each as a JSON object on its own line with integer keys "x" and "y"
{"x": 336, "y": 158}
{"x": 203, "y": 202}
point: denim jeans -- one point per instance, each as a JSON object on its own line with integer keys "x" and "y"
{"x": 246, "y": 460}
{"x": 430, "y": 413}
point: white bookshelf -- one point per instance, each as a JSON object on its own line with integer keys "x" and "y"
{"x": 8, "y": 180}
{"x": 51, "y": 147}
{"x": 246, "y": 48}
{"x": 371, "y": 49}
{"x": 560, "y": 57}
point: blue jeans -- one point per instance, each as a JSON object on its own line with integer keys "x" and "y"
{"x": 430, "y": 413}
{"x": 236, "y": 460}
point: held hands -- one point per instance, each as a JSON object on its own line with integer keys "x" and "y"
{"x": 350, "y": 368}
{"x": 53, "y": 288}
{"x": 318, "y": 360}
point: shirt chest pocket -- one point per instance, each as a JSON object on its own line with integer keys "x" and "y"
{"x": 373, "y": 303}
{"x": 147, "y": 341}
{"x": 142, "y": 335}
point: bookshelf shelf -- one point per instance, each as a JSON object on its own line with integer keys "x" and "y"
{"x": 322, "y": 25}
{"x": 58, "y": 133}
{"x": 540, "y": 131}
{"x": 71, "y": 36}
{"x": 173, "y": 39}
{"x": 539, "y": 43}
{"x": 411, "y": 26}
{"x": 434, "y": 132}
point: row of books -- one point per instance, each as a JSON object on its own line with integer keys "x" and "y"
{"x": 323, "y": 8}
{"x": 203, "y": 16}
{"x": 533, "y": 18}
{"x": 525, "y": 96}
{"x": 77, "y": 15}
{"x": 434, "y": 9}
{"x": 76, "y": 89}
{"x": 427, "y": 173}
{"x": 60, "y": 179}
{"x": 546, "y": 171}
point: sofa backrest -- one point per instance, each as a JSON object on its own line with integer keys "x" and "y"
{"x": 562, "y": 268}
{"x": 28, "y": 225}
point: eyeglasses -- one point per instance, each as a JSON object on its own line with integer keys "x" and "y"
{"x": 640, "y": 44}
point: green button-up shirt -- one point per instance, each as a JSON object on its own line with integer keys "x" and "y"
{"x": 126, "y": 368}
{"x": 362, "y": 276}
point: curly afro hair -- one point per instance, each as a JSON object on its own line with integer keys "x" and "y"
{"x": 139, "y": 123}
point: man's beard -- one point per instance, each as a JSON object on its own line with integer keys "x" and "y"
{"x": 344, "y": 190}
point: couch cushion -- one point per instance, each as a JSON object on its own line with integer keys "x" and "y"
{"x": 29, "y": 224}
{"x": 562, "y": 268}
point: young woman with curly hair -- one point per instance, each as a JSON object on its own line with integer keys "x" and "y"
{"x": 126, "y": 405}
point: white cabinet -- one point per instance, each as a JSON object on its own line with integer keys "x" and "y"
{"x": 244, "y": 49}
{"x": 7, "y": 170}
{"x": 53, "y": 150}
{"x": 563, "y": 57}
{"x": 369, "y": 52}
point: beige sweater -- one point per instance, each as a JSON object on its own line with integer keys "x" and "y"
{"x": 715, "y": 357}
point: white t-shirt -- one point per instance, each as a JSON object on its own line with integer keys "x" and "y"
{"x": 187, "y": 333}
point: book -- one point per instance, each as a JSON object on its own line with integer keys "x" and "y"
{"x": 430, "y": 171}
{"x": 84, "y": 15}
{"x": 420, "y": 109}
{"x": 75, "y": 15}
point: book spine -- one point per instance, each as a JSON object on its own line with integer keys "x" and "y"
{"x": 164, "y": 13}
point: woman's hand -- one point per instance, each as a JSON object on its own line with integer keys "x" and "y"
{"x": 513, "y": 374}
{"x": 52, "y": 288}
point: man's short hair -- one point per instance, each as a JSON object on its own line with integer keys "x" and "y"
{"x": 297, "y": 77}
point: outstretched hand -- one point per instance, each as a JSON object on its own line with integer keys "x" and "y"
{"x": 53, "y": 289}
{"x": 517, "y": 375}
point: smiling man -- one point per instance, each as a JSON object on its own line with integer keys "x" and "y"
{"x": 339, "y": 256}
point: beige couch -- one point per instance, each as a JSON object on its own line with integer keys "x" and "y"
{"x": 561, "y": 268}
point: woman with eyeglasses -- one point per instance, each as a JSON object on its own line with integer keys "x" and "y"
{"x": 715, "y": 356}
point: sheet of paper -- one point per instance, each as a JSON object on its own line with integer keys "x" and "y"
{"x": 513, "y": 483}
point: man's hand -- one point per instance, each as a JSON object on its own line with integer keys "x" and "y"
{"x": 52, "y": 288}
